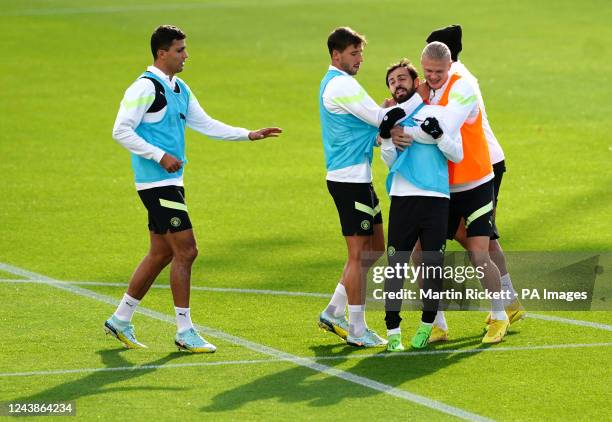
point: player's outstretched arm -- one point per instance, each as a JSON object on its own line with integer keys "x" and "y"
{"x": 267, "y": 132}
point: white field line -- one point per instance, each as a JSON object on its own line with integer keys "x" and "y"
{"x": 551, "y": 318}
{"x": 579, "y": 322}
{"x": 167, "y": 286}
{"x": 210, "y": 289}
{"x": 318, "y": 358}
{"x": 260, "y": 348}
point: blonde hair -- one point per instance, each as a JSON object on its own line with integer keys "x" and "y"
{"x": 436, "y": 51}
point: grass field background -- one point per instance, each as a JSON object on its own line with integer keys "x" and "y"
{"x": 261, "y": 211}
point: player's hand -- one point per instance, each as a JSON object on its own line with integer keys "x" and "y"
{"x": 423, "y": 90}
{"x": 170, "y": 163}
{"x": 431, "y": 126}
{"x": 400, "y": 139}
{"x": 390, "y": 119}
{"x": 267, "y": 132}
{"x": 389, "y": 102}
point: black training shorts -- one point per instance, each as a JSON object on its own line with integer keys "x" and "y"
{"x": 357, "y": 206}
{"x": 167, "y": 209}
{"x": 498, "y": 170}
{"x": 413, "y": 218}
{"x": 475, "y": 206}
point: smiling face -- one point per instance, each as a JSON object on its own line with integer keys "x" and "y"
{"x": 435, "y": 71}
{"x": 348, "y": 60}
{"x": 172, "y": 61}
{"x": 401, "y": 85}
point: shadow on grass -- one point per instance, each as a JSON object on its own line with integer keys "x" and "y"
{"x": 303, "y": 385}
{"x": 102, "y": 382}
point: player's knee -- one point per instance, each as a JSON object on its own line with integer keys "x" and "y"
{"x": 187, "y": 254}
{"x": 354, "y": 255}
{"x": 192, "y": 253}
{"x": 480, "y": 258}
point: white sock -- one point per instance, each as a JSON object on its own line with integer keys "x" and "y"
{"x": 338, "y": 302}
{"x": 126, "y": 308}
{"x": 506, "y": 285}
{"x": 397, "y": 330}
{"x": 357, "y": 324}
{"x": 440, "y": 321}
{"x": 183, "y": 319}
{"x": 497, "y": 310}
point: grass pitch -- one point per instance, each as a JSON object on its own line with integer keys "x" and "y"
{"x": 263, "y": 217}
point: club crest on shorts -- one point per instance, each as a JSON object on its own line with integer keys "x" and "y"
{"x": 365, "y": 224}
{"x": 175, "y": 221}
{"x": 390, "y": 251}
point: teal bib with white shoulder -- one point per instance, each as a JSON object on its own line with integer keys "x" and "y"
{"x": 168, "y": 134}
{"x": 347, "y": 140}
{"x": 423, "y": 165}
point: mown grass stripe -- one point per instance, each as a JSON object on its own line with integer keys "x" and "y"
{"x": 260, "y": 348}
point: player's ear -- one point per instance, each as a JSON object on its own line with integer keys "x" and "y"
{"x": 416, "y": 82}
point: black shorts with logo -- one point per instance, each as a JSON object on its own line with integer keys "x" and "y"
{"x": 413, "y": 218}
{"x": 357, "y": 206}
{"x": 475, "y": 206}
{"x": 167, "y": 209}
{"x": 498, "y": 170}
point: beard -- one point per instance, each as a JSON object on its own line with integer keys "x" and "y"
{"x": 403, "y": 95}
{"x": 350, "y": 70}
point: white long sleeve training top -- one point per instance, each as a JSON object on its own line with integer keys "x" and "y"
{"x": 133, "y": 110}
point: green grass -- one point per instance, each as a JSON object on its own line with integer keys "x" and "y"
{"x": 261, "y": 211}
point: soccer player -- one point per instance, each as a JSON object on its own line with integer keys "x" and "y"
{"x": 419, "y": 189}
{"x": 452, "y": 37}
{"x": 151, "y": 125}
{"x": 349, "y": 123}
{"x": 471, "y": 180}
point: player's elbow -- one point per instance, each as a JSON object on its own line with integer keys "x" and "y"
{"x": 116, "y": 133}
{"x": 120, "y": 132}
